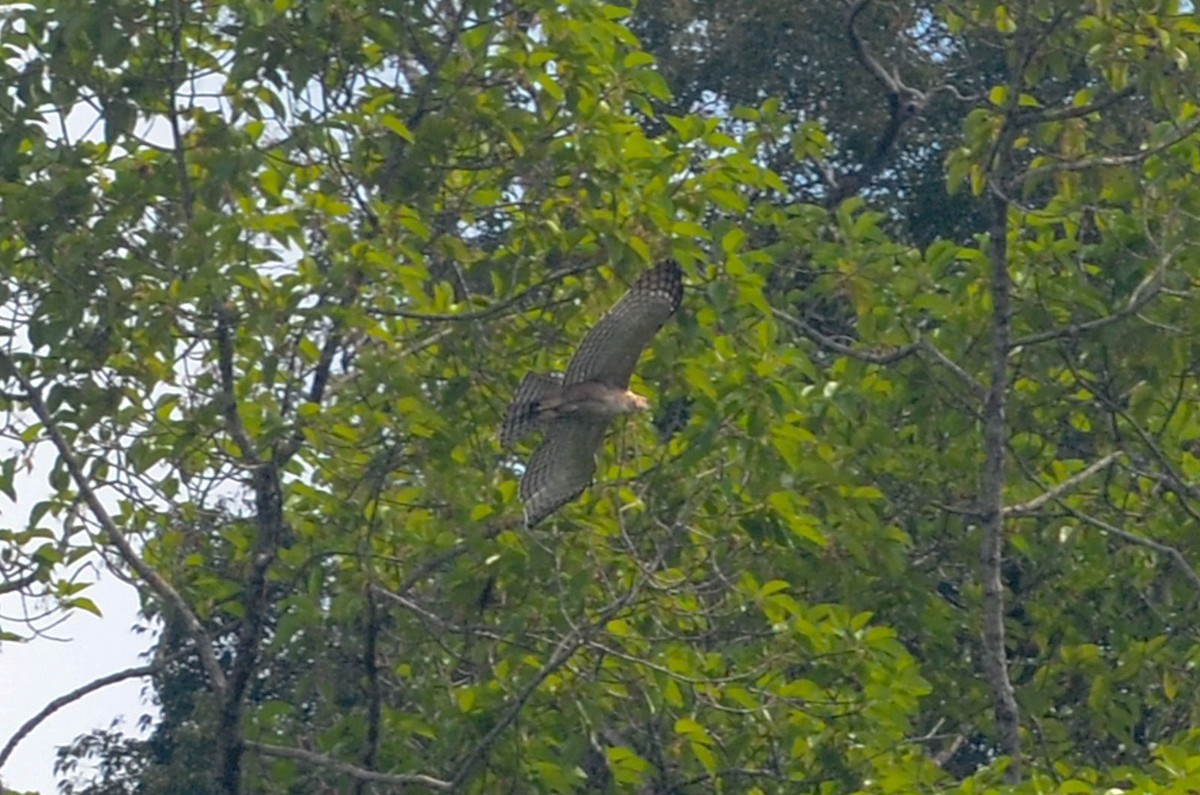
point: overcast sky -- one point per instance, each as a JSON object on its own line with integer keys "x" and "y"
{"x": 35, "y": 673}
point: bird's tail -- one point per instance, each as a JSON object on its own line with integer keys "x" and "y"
{"x": 525, "y": 411}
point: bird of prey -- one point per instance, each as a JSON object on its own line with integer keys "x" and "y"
{"x": 574, "y": 410}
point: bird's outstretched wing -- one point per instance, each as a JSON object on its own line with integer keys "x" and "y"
{"x": 611, "y": 348}
{"x": 524, "y": 412}
{"x": 562, "y": 467}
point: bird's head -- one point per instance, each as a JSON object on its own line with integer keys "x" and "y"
{"x": 635, "y": 402}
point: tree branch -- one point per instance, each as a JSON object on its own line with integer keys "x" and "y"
{"x": 832, "y": 345}
{"x": 563, "y": 652}
{"x": 62, "y": 701}
{"x": 1040, "y": 116}
{"x": 1056, "y": 492}
{"x": 920, "y": 346}
{"x": 346, "y": 769}
{"x": 1164, "y": 549}
{"x": 162, "y": 588}
{"x": 228, "y": 397}
{"x": 10, "y": 586}
{"x": 517, "y": 301}
{"x": 1146, "y": 291}
{"x": 945, "y": 361}
{"x": 904, "y": 104}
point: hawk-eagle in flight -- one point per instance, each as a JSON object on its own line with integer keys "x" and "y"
{"x": 573, "y": 410}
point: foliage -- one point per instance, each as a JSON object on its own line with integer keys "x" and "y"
{"x": 266, "y": 314}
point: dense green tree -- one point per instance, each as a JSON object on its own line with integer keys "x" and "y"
{"x": 915, "y": 512}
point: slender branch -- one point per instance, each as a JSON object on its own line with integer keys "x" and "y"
{"x": 946, "y": 754}
{"x": 422, "y": 344}
{"x": 432, "y": 564}
{"x": 1172, "y": 479}
{"x": 830, "y": 344}
{"x": 1056, "y": 492}
{"x": 945, "y": 361}
{"x": 1083, "y": 164}
{"x": 890, "y": 82}
{"x": 62, "y": 701}
{"x": 10, "y": 586}
{"x": 563, "y": 652}
{"x": 162, "y": 588}
{"x": 346, "y": 769}
{"x": 920, "y": 346}
{"x": 1146, "y": 291}
{"x": 1163, "y": 549}
{"x": 517, "y": 301}
{"x": 1043, "y": 115}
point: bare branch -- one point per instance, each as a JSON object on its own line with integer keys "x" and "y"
{"x": 62, "y": 701}
{"x": 830, "y": 344}
{"x": 420, "y": 345}
{"x": 890, "y": 81}
{"x": 1056, "y": 492}
{"x": 904, "y": 104}
{"x": 945, "y": 361}
{"x": 347, "y": 769}
{"x": 1171, "y": 552}
{"x": 1172, "y": 479}
{"x": 888, "y": 357}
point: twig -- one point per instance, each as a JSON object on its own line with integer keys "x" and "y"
{"x": 432, "y": 564}
{"x": 830, "y": 344}
{"x": 1174, "y": 554}
{"x": 1057, "y": 491}
{"x": 945, "y": 361}
{"x": 11, "y": 586}
{"x": 1044, "y": 115}
{"x": 500, "y": 306}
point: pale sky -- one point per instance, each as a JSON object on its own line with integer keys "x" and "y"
{"x": 34, "y": 673}
{"x": 37, "y": 672}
